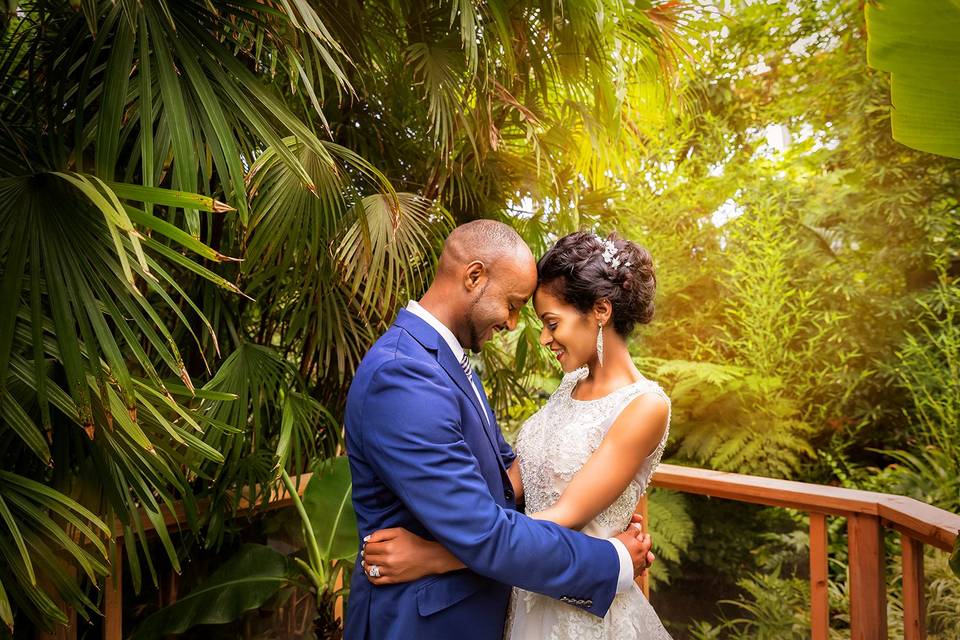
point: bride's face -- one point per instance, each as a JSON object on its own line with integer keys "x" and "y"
{"x": 570, "y": 334}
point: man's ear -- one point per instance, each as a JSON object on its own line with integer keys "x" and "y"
{"x": 602, "y": 310}
{"x": 474, "y": 275}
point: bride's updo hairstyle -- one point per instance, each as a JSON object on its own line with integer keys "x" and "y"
{"x": 582, "y": 268}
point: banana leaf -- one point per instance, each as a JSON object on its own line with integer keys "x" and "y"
{"x": 327, "y": 503}
{"x": 917, "y": 43}
{"x": 244, "y": 583}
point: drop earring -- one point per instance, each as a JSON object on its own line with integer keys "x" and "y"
{"x": 600, "y": 344}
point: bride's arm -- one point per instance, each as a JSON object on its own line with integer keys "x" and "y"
{"x": 402, "y": 556}
{"x": 634, "y": 435}
{"x": 516, "y": 480}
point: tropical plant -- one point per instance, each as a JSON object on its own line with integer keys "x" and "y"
{"x": 329, "y": 524}
{"x": 245, "y": 582}
{"x": 928, "y": 367}
{"x": 669, "y": 519}
{"x": 208, "y": 210}
{"x": 943, "y": 593}
{"x": 925, "y": 109}
{"x": 257, "y": 573}
{"x": 797, "y": 248}
{"x": 732, "y": 418}
{"x": 772, "y": 608}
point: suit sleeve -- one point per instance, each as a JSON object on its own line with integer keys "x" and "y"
{"x": 412, "y": 432}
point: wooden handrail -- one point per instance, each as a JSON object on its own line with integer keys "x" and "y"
{"x": 916, "y": 519}
{"x": 913, "y": 518}
{"x": 867, "y": 513}
{"x": 279, "y": 499}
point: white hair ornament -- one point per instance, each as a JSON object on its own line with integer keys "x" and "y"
{"x": 610, "y": 253}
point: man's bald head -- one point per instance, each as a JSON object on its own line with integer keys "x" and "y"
{"x": 486, "y": 241}
{"x": 486, "y": 274}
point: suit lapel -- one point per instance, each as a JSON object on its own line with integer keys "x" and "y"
{"x": 492, "y": 428}
{"x": 449, "y": 363}
{"x": 429, "y": 338}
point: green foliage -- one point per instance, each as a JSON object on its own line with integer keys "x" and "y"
{"x": 954, "y": 561}
{"x": 331, "y": 272}
{"x": 773, "y": 608}
{"x": 730, "y": 418}
{"x": 328, "y": 525}
{"x": 31, "y": 515}
{"x": 929, "y": 474}
{"x": 672, "y": 532}
{"x": 806, "y": 289}
{"x": 257, "y": 574}
{"x": 918, "y": 46}
{"x": 262, "y": 421}
{"x": 943, "y": 596}
{"x": 82, "y": 349}
{"x": 244, "y": 582}
{"x": 326, "y": 501}
{"x": 162, "y": 346}
{"x": 928, "y": 367}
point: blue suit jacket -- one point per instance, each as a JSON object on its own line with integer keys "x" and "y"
{"x": 423, "y": 457}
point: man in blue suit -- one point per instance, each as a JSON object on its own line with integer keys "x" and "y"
{"x": 426, "y": 455}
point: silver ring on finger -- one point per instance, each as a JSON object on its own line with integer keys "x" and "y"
{"x": 374, "y": 571}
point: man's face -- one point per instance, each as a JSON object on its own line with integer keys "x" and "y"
{"x": 496, "y": 304}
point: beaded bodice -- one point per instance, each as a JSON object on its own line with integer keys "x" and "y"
{"x": 557, "y": 440}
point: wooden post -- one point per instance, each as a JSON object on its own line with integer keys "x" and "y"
{"x": 868, "y": 602}
{"x": 643, "y": 510}
{"x": 60, "y": 632}
{"x": 113, "y": 599}
{"x": 914, "y": 604}
{"x": 338, "y": 603}
{"x": 68, "y": 632}
{"x": 819, "y": 596}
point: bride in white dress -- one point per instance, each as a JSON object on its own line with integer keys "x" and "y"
{"x": 552, "y": 447}
{"x": 585, "y": 458}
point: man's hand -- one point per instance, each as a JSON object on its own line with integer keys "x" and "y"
{"x": 638, "y": 545}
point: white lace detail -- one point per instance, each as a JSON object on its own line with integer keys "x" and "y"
{"x": 552, "y": 446}
{"x": 537, "y": 617}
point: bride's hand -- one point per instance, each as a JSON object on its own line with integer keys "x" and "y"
{"x": 401, "y": 556}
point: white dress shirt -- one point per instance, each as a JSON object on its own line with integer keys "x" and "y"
{"x": 625, "y": 579}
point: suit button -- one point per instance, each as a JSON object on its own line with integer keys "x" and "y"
{"x": 508, "y": 494}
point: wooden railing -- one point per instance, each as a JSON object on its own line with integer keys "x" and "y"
{"x": 867, "y": 515}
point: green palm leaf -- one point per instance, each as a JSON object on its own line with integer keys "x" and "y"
{"x": 85, "y": 299}
{"x": 25, "y": 519}
{"x": 125, "y": 126}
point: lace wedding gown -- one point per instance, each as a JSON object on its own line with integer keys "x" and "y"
{"x": 552, "y": 446}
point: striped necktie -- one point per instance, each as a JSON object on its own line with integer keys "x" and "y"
{"x": 467, "y": 370}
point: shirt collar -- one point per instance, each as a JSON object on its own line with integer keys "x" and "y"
{"x": 416, "y": 309}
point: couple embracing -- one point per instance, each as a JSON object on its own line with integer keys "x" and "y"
{"x": 465, "y": 538}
